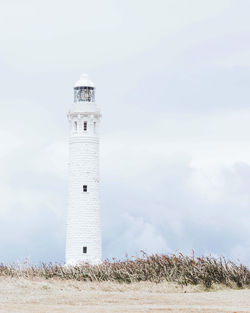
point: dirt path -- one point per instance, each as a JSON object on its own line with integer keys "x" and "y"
{"x": 41, "y": 296}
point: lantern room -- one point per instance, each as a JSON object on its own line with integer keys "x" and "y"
{"x": 84, "y": 90}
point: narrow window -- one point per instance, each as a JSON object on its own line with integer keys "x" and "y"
{"x": 84, "y": 249}
{"x": 94, "y": 127}
{"x": 85, "y": 188}
{"x": 75, "y": 126}
{"x": 85, "y": 126}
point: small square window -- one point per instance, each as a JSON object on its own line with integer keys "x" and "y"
{"x": 85, "y": 188}
{"x": 84, "y": 250}
{"x": 85, "y": 126}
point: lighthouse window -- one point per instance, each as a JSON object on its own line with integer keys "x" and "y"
{"x": 75, "y": 126}
{"x": 84, "y": 249}
{"x": 85, "y": 126}
{"x": 86, "y": 94}
{"x": 85, "y": 188}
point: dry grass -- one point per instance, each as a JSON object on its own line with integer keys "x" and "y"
{"x": 180, "y": 269}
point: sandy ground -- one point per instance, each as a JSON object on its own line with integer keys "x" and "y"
{"x": 47, "y": 296}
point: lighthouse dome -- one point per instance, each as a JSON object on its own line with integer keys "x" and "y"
{"x": 84, "y": 81}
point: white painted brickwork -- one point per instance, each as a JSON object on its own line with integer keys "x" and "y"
{"x": 83, "y": 220}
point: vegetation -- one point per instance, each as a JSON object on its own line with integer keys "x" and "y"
{"x": 155, "y": 268}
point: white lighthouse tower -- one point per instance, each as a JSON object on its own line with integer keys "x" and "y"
{"x": 83, "y": 238}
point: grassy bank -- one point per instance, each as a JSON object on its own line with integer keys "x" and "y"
{"x": 180, "y": 269}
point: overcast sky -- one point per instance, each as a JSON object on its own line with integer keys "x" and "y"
{"x": 172, "y": 79}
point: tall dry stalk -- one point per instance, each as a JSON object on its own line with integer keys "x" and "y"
{"x": 155, "y": 268}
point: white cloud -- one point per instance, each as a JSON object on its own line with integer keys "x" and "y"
{"x": 53, "y": 160}
{"x": 142, "y": 235}
{"x": 238, "y": 59}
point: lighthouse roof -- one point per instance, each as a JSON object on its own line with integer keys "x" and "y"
{"x": 84, "y": 81}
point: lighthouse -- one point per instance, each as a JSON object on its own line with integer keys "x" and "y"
{"x": 83, "y": 235}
